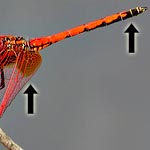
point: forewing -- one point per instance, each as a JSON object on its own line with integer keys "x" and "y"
{"x": 26, "y": 65}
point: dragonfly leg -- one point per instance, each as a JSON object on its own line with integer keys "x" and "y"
{"x": 2, "y": 80}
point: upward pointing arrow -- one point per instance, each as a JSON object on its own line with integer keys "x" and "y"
{"x": 131, "y": 30}
{"x": 30, "y": 91}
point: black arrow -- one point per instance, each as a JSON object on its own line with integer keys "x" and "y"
{"x": 131, "y": 30}
{"x": 30, "y": 91}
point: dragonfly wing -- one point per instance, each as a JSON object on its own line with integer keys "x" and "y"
{"x": 26, "y": 65}
{"x": 7, "y": 75}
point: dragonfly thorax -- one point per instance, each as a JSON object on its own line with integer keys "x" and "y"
{"x": 11, "y": 46}
{"x": 14, "y": 43}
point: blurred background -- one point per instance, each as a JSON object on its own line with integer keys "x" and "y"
{"x": 92, "y": 94}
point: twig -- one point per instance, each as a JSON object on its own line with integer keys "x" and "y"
{"x": 8, "y": 142}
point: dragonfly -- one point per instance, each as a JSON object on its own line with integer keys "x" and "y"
{"x": 20, "y": 58}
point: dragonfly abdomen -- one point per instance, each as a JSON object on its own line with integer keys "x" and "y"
{"x": 43, "y": 42}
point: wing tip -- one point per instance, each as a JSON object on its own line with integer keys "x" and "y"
{"x": 1, "y": 110}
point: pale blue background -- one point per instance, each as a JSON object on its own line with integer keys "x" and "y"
{"x": 92, "y": 95}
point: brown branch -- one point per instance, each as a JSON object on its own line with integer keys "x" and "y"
{"x": 8, "y": 142}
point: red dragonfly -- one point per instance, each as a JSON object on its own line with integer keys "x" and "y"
{"x": 20, "y": 59}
